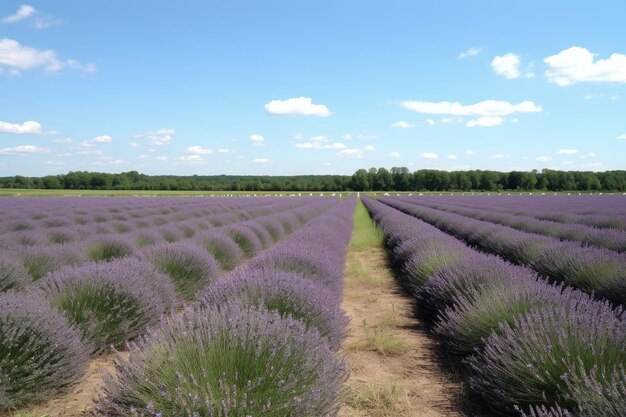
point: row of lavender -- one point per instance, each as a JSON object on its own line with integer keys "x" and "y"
{"x": 98, "y": 298}
{"x": 30, "y": 257}
{"x": 529, "y": 347}
{"x": 602, "y": 211}
{"x": 594, "y": 270}
{"x": 26, "y": 223}
{"x": 609, "y": 238}
{"x": 260, "y": 341}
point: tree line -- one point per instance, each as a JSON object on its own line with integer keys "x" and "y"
{"x": 374, "y": 179}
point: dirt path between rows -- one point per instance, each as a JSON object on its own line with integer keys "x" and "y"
{"x": 394, "y": 370}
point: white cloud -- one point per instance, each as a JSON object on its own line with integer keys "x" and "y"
{"x": 622, "y": 137}
{"x": 394, "y": 154}
{"x": 590, "y": 155}
{"x": 18, "y": 57}
{"x": 351, "y": 153}
{"x": 402, "y": 125}
{"x": 319, "y": 145}
{"x": 302, "y": 106}
{"x": 485, "y": 121}
{"x": 44, "y": 22}
{"x": 452, "y": 157}
{"x": 262, "y": 160}
{"x": 369, "y": 148}
{"x": 577, "y": 64}
{"x": 198, "y": 150}
{"x": 469, "y": 152}
{"x": 29, "y": 127}
{"x": 191, "y": 159}
{"x": 257, "y": 140}
{"x": 483, "y": 108}
{"x": 470, "y": 52}
{"x": 144, "y": 156}
{"x": 64, "y": 140}
{"x": 23, "y": 150}
{"x": 507, "y": 65}
{"x": 568, "y": 152}
{"x": 64, "y": 154}
{"x": 90, "y": 152}
{"x": 161, "y": 158}
{"x": 102, "y": 139}
{"x": 25, "y": 11}
{"x": 225, "y": 150}
{"x": 95, "y": 141}
{"x": 430, "y": 122}
{"x": 320, "y": 138}
{"x": 157, "y": 137}
{"x": 544, "y": 158}
{"x": 54, "y": 163}
{"x": 428, "y": 155}
{"x": 133, "y": 145}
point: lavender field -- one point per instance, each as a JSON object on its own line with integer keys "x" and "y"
{"x": 232, "y": 306}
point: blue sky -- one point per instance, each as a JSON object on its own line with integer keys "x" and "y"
{"x": 277, "y": 87}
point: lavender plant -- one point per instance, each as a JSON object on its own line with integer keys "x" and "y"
{"x": 109, "y": 302}
{"x": 41, "y": 260}
{"x": 13, "y": 275}
{"x": 222, "y": 248}
{"x": 189, "y": 267}
{"x": 232, "y": 361}
{"x": 40, "y": 354}
{"x": 288, "y": 294}
{"x": 533, "y": 362}
{"x": 106, "y": 249}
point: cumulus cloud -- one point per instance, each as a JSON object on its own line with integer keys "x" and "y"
{"x": 23, "y": 150}
{"x": 351, "y": 153}
{"x": 320, "y": 145}
{"x": 470, "y": 52}
{"x": 191, "y": 159}
{"x": 469, "y": 152}
{"x": 225, "y": 150}
{"x": 157, "y": 137}
{"x": 394, "y": 154}
{"x": 54, "y": 163}
{"x": 590, "y": 155}
{"x": 257, "y": 140}
{"x": 483, "y": 108}
{"x": 430, "y": 122}
{"x": 19, "y": 57}
{"x": 402, "y": 125}
{"x": 161, "y": 158}
{"x": 507, "y": 65}
{"x": 428, "y": 155}
{"x": 577, "y": 64}
{"x": 622, "y": 137}
{"x": 262, "y": 160}
{"x": 452, "y": 157}
{"x": 568, "y": 152}
{"x": 95, "y": 141}
{"x": 29, "y": 127}
{"x": 485, "y": 121}
{"x": 369, "y": 148}
{"x": 198, "y": 150}
{"x": 544, "y": 158}
{"x": 24, "y": 12}
{"x": 302, "y": 106}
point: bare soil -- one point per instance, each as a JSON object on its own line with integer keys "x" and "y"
{"x": 407, "y": 382}
{"x": 79, "y": 401}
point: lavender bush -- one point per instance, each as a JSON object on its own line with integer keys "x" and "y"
{"x": 106, "y": 249}
{"x": 222, "y": 248}
{"x": 13, "y": 275}
{"x": 40, "y": 354}
{"x": 109, "y": 302}
{"x": 288, "y": 294}
{"x": 189, "y": 267}
{"x": 41, "y": 260}
{"x": 534, "y": 361}
{"x": 231, "y": 361}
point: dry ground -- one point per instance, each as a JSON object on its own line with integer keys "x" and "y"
{"x": 394, "y": 370}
